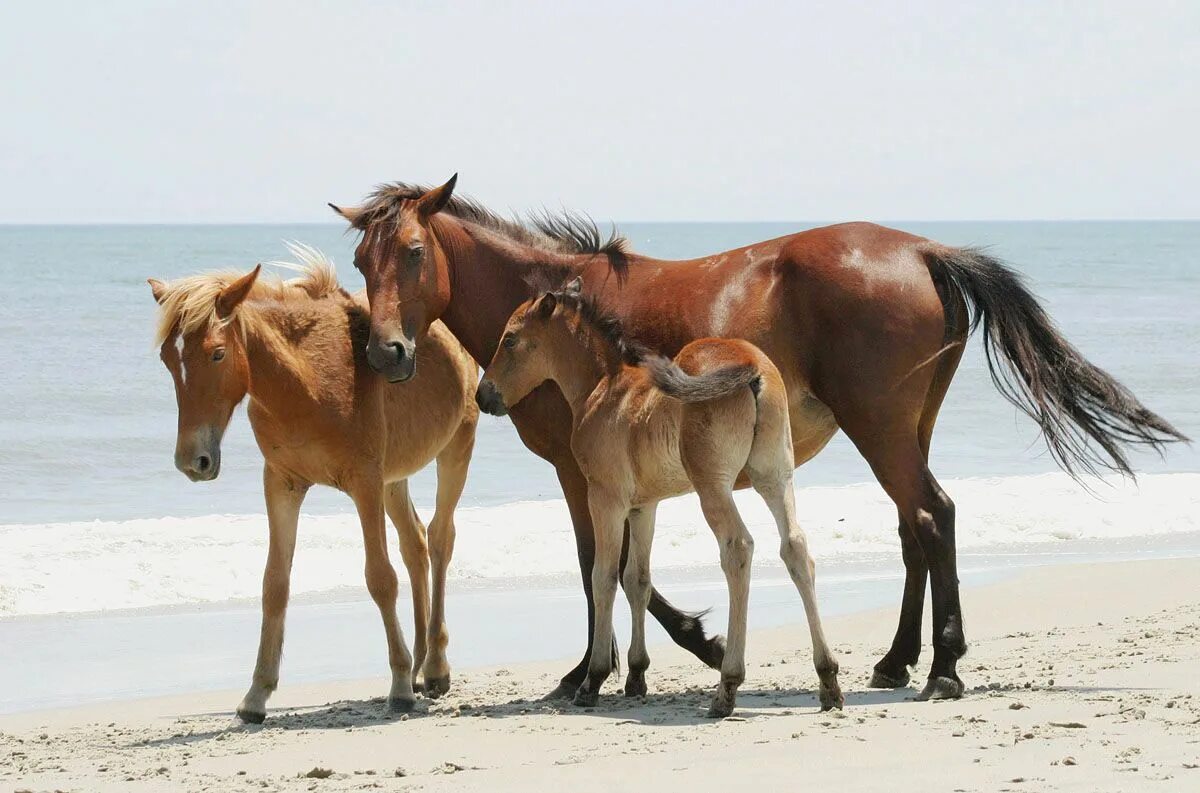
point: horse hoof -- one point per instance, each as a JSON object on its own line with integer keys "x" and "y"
{"x": 831, "y": 696}
{"x": 635, "y": 687}
{"x": 585, "y": 698}
{"x": 251, "y": 716}
{"x": 719, "y": 709}
{"x": 941, "y": 688}
{"x": 884, "y": 680}
{"x": 436, "y": 686}
{"x": 402, "y": 704}
{"x": 564, "y": 690}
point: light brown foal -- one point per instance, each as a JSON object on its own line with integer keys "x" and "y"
{"x": 646, "y": 429}
{"x": 321, "y": 416}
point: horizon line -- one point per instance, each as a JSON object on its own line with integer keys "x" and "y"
{"x": 810, "y": 221}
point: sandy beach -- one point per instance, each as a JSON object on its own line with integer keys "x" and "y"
{"x": 1080, "y": 677}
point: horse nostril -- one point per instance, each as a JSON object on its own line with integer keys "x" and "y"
{"x": 203, "y": 463}
{"x": 399, "y": 351}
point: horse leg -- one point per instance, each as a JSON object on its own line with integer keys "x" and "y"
{"x": 776, "y": 489}
{"x": 737, "y": 551}
{"x": 892, "y": 670}
{"x": 929, "y": 512}
{"x": 383, "y": 586}
{"x": 636, "y": 580}
{"x": 608, "y": 519}
{"x": 414, "y": 550}
{"x": 284, "y": 497}
{"x": 452, "y": 477}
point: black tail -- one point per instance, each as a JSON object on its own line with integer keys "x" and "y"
{"x": 674, "y": 382}
{"x": 1078, "y": 406}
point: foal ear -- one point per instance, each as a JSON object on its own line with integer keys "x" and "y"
{"x": 352, "y": 215}
{"x": 575, "y": 288}
{"x": 435, "y": 200}
{"x": 232, "y": 296}
{"x": 158, "y": 288}
{"x": 546, "y": 305}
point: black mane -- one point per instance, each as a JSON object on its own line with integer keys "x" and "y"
{"x": 604, "y": 324}
{"x": 563, "y": 232}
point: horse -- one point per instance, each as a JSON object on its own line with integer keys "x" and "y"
{"x": 647, "y": 428}
{"x": 321, "y": 416}
{"x": 866, "y": 324}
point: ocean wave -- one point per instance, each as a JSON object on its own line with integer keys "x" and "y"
{"x": 100, "y": 565}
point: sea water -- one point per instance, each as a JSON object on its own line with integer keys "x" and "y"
{"x": 94, "y": 516}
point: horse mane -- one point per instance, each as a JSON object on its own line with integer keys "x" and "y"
{"x": 190, "y": 303}
{"x": 603, "y": 324}
{"x": 566, "y": 232}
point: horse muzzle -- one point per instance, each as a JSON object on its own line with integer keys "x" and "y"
{"x": 487, "y": 396}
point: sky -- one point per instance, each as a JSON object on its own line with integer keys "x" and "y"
{"x": 703, "y": 111}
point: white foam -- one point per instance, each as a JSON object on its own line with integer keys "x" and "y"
{"x": 91, "y": 566}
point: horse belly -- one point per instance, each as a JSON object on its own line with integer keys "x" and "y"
{"x": 813, "y": 424}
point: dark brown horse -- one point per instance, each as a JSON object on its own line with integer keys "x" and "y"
{"x": 866, "y": 324}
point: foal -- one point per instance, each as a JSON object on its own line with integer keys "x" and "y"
{"x": 321, "y": 416}
{"x": 647, "y": 428}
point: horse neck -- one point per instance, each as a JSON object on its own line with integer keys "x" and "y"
{"x": 489, "y": 277}
{"x": 580, "y": 361}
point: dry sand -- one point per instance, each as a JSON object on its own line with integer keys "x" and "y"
{"x": 1079, "y": 678}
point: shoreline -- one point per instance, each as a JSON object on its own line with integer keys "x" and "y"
{"x": 1051, "y": 647}
{"x": 121, "y": 656}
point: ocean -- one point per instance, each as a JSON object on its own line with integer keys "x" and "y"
{"x": 94, "y": 516}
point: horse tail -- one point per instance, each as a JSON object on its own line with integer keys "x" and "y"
{"x": 1087, "y": 418}
{"x": 676, "y": 383}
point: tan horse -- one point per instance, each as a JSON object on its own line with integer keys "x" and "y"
{"x": 645, "y": 429}
{"x": 321, "y": 416}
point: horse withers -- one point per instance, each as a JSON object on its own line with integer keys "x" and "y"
{"x": 647, "y": 428}
{"x": 297, "y": 348}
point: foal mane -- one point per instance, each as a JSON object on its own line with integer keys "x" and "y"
{"x": 603, "y": 324}
{"x": 190, "y": 303}
{"x": 566, "y": 232}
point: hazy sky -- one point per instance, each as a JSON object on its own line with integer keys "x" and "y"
{"x": 209, "y": 111}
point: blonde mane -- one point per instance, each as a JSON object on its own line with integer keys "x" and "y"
{"x": 190, "y": 303}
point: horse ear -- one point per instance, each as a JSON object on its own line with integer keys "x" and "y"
{"x": 435, "y": 200}
{"x": 546, "y": 305}
{"x": 352, "y": 215}
{"x": 232, "y": 296}
{"x": 575, "y": 288}
{"x": 158, "y": 288}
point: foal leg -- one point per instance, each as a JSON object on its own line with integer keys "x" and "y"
{"x": 383, "y": 586}
{"x": 608, "y": 520}
{"x": 414, "y": 550}
{"x": 636, "y": 580}
{"x": 777, "y": 491}
{"x": 284, "y": 497}
{"x": 452, "y": 477}
{"x": 737, "y": 551}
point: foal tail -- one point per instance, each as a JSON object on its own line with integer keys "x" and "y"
{"x": 1078, "y": 406}
{"x": 674, "y": 382}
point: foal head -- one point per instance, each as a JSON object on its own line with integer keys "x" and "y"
{"x": 205, "y": 354}
{"x": 408, "y": 282}
{"x": 533, "y": 345}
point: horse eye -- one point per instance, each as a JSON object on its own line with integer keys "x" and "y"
{"x": 218, "y": 354}
{"x": 508, "y": 342}
{"x": 415, "y": 254}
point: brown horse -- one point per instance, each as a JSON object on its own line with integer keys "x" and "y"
{"x": 866, "y": 324}
{"x": 648, "y": 428}
{"x": 320, "y": 416}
